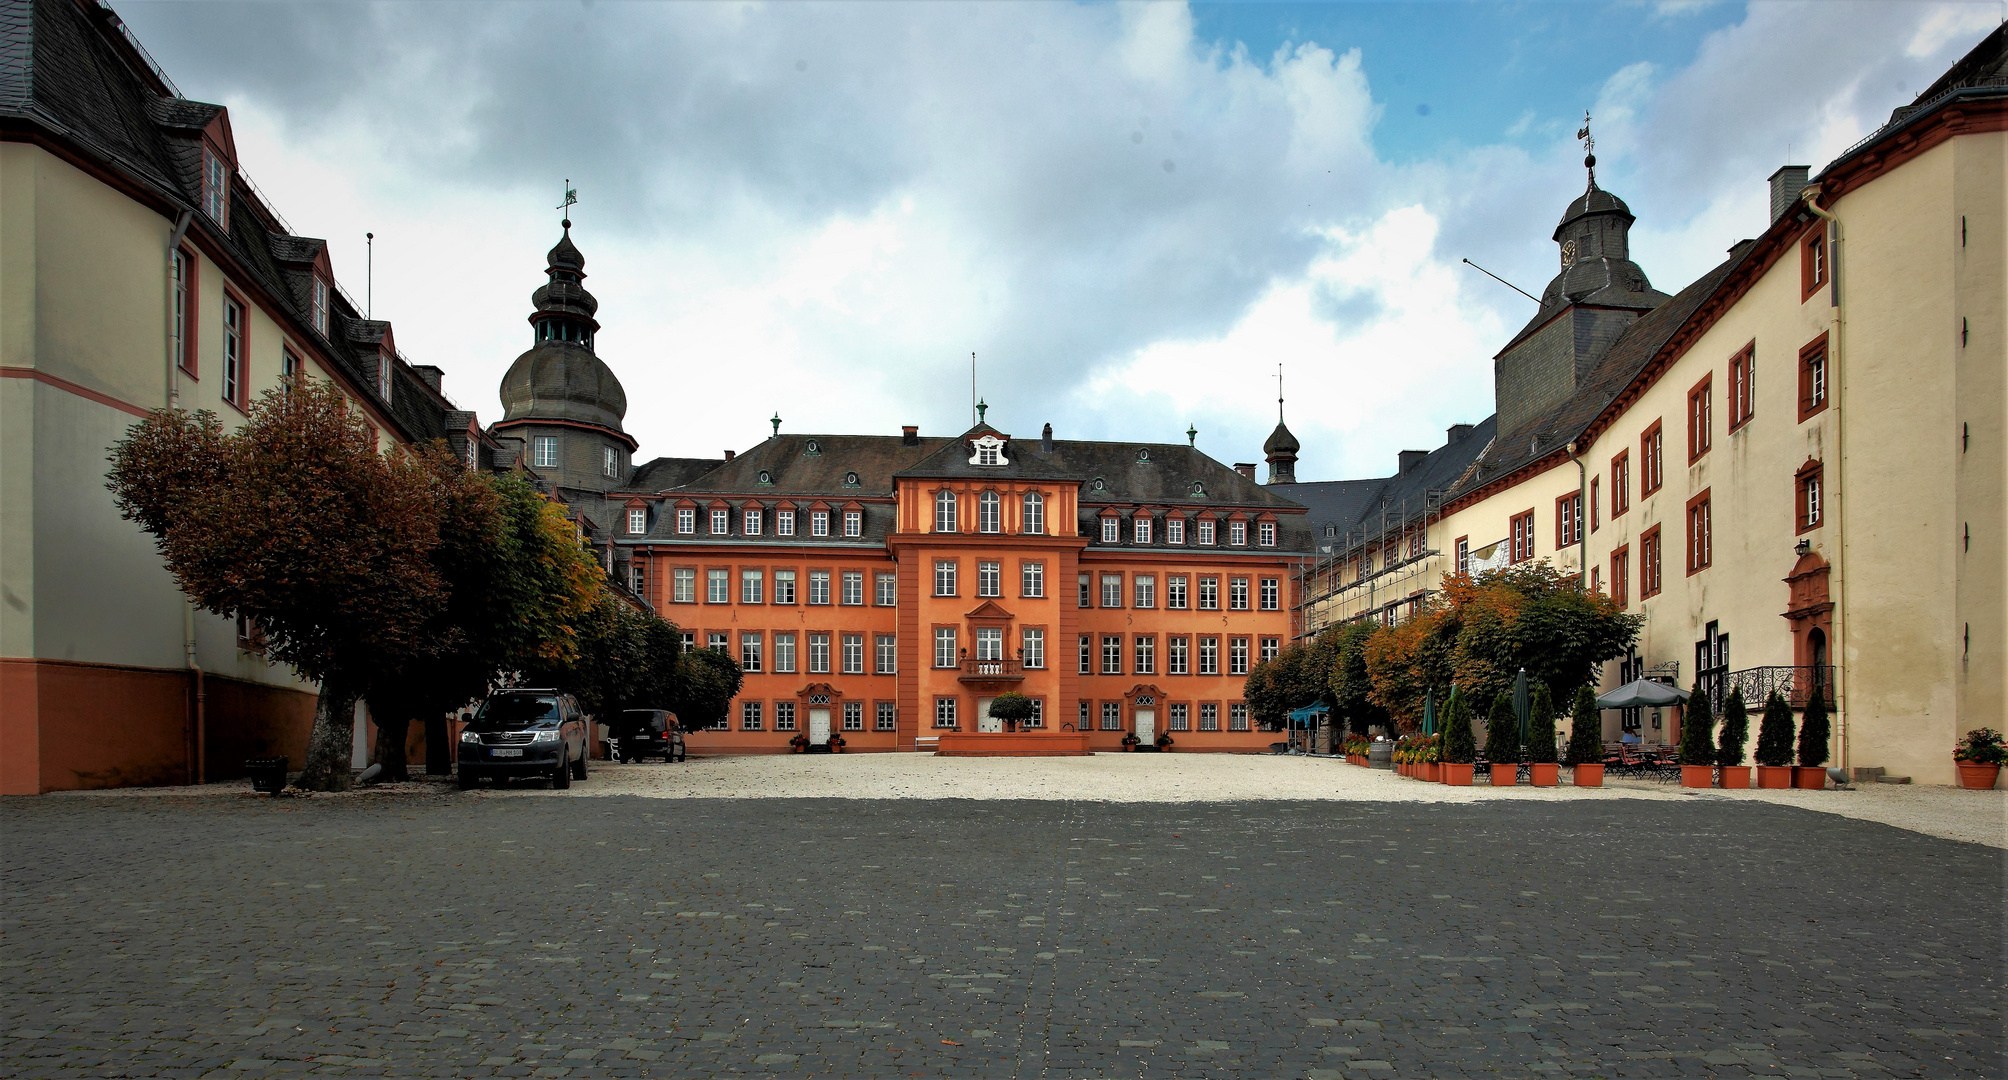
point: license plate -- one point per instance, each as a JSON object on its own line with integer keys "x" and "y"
{"x": 506, "y": 753}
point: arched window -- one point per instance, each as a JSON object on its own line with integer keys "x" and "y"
{"x": 944, "y": 512}
{"x": 989, "y": 513}
{"x": 1035, "y": 514}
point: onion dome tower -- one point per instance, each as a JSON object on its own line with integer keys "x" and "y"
{"x": 560, "y": 398}
{"x": 1280, "y": 448}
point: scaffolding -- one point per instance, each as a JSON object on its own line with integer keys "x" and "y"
{"x": 1331, "y": 588}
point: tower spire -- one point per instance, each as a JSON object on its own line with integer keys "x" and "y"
{"x": 1589, "y": 142}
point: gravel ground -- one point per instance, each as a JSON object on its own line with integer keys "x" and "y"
{"x": 1978, "y": 817}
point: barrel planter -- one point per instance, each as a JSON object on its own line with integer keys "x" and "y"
{"x": 1974, "y": 777}
{"x": 1588, "y": 775}
{"x": 1736, "y": 776}
{"x": 1542, "y": 774}
{"x": 1809, "y": 778}
{"x": 1456, "y": 774}
{"x": 1697, "y": 776}
{"x": 1505, "y": 775}
{"x": 1774, "y": 776}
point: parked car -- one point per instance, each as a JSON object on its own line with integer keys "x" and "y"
{"x": 642, "y": 733}
{"x": 528, "y": 732}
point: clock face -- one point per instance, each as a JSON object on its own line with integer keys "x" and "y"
{"x": 1568, "y": 253}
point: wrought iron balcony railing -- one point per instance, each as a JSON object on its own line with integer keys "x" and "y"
{"x": 1795, "y": 683}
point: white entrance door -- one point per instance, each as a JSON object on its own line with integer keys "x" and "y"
{"x": 985, "y": 721}
{"x": 1146, "y": 726}
{"x": 819, "y": 726}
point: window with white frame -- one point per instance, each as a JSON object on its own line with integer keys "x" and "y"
{"x": 1140, "y": 531}
{"x": 1174, "y": 592}
{"x": 752, "y": 586}
{"x": 819, "y": 654}
{"x": 383, "y": 376}
{"x": 1144, "y": 656}
{"x": 1175, "y": 655}
{"x": 721, "y": 522}
{"x": 749, "y": 651}
{"x": 749, "y": 716}
{"x": 1145, "y": 588}
{"x": 717, "y": 587}
{"x": 819, "y": 523}
{"x": 887, "y": 719}
{"x": 854, "y": 523}
{"x": 1112, "y": 654}
{"x": 1272, "y": 594}
{"x": 1178, "y": 717}
{"x": 989, "y": 513}
{"x": 610, "y": 461}
{"x": 989, "y": 643}
{"x": 544, "y": 451}
{"x": 784, "y": 716}
{"x": 1087, "y": 665}
{"x": 1265, "y": 534}
{"x": 718, "y": 642}
{"x": 854, "y": 716}
{"x": 686, "y": 519}
{"x": 1209, "y": 718}
{"x": 683, "y": 589}
{"x": 1087, "y": 594}
{"x": 749, "y": 523}
{"x": 319, "y": 309}
{"x": 853, "y": 646}
{"x": 1032, "y": 645}
{"x": 1038, "y": 717}
{"x": 1206, "y": 532}
{"x": 1209, "y": 594}
{"x": 853, "y": 584}
{"x": 1112, "y": 716}
{"x": 638, "y": 578}
{"x": 784, "y": 653}
{"x": 1112, "y": 530}
{"x": 184, "y": 310}
{"x": 637, "y": 520}
{"x": 233, "y": 350}
{"x": 1237, "y": 534}
{"x": 1237, "y": 717}
{"x": 1237, "y": 594}
{"x": 886, "y": 589}
{"x": 215, "y": 187}
{"x": 1034, "y": 523}
{"x": 944, "y": 647}
{"x": 1237, "y": 656}
{"x": 784, "y": 523}
{"x": 886, "y": 648}
{"x": 784, "y": 586}
{"x": 1112, "y": 590}
{"x": 989, "y": 578}
{"x": 1031, "y": 579}
{"x": 944, "y": 712}
{"x": 944, "y": 577}
{"x": 819, "y": 586}
{"x": 1174, "y": 530}
{"x": 1271, "y": 648}
{"x": 1209, "y": 656}
{"x": 944, "y": 511}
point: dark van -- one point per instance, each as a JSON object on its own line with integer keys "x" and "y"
{"x": 533, "y": 733}
{"x": 635, "y": 734}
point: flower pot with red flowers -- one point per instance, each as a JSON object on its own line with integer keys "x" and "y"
{"x": 1502, "y": 742}
{"x": 1697, "y": 741}
{"x": 1729, "y": 747}
{"x": 1586, "y": 741}
{"x": 1978, "y": 757}
{"x": 1811, "y": 773}
{"x": 1774, "y": 744}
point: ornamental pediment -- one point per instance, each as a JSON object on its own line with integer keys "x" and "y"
{"x": 988, "y": 610}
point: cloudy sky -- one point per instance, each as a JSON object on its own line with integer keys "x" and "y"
{"x": 1131, "y": 213}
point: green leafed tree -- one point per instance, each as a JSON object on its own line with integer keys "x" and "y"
{"x": 1351, "y": 686}
{"x": 1502, "y": 732}
{"x": 1299, "y": 676}
{"x": 1535, "y": 617}
{"x": 296, "y": 520}
{"x": 1697, "y": 730}
{"x": 1735, "y": 730}
{"x": 1586, "y": 730}
{"x": 1774, "y": 732}
{"x": 1012, "y": 706}
{"x": 708, "y": 682}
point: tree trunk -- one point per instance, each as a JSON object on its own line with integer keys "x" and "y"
{"x": 393, "y": 727}
{"x": 436, "y": 748}
{"x": 328, "y": 748}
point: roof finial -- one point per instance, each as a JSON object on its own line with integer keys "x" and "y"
{"x": 1191, "y": 435}
{"x": 982, "y": 411}
{"x": 1589, "y": 142}
{"x": 571, "y": 196}
{"x": 776, "y": 422}
{"x": 1279, "y": 393}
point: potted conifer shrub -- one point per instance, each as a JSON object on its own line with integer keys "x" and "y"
{"x": 1729, "y": 749}
{"x": 1586, "y": 741}
{"x": 1541, "y": 765}
{"x": 1458, "y": 745}
{"x": 1697, "y": 741}
{"x": 1502, "y": 742}
{"x": 1979, "y": 756}
{"x": 1774, "y": 743}
{"x": 1811, "y": 774}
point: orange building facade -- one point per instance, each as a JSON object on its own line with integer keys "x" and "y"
{"x": 883, "y": 590}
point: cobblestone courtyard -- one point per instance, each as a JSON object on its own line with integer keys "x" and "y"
{"x": 436, "y": 934}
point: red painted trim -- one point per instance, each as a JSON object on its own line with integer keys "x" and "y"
{"x": 66, "y": 385}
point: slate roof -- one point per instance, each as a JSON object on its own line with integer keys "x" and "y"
{"x": 794, "y": 469}
{"x": 667, "y": 472}
{"x": 1353, "y": 509}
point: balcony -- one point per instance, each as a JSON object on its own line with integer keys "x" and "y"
{"x": 1795, "y": 683}
{"x": 981, "y": 671}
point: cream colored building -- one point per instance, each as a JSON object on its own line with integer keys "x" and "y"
{"x": 1794, "y": 467}
{"x": 139, "y": 269}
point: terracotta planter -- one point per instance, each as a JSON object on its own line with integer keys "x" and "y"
{"x": 1433, "y": 772}
{"x": 1455, "y": 774}
{"x": 1505, "y": 775}
{"x": 1588, "y": 775}
{"x": 1697, "y": 776}
{"x": 1978, "y": 777}
{"x": 1736, "y": 776}
{"x": 1809, "y": 778}
{"x": 1543, "y": 774}
{"x": 1774, "y": 776}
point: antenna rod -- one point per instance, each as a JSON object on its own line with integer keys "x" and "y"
{"x": 369, "y": 273}
{"x": 1500, "y": 280}
{"x": 972, "y": 388}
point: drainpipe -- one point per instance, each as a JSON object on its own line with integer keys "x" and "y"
{"x": 1838, "y": 386}
{"x": 197, "y": 773}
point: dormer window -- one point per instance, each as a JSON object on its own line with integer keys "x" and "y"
{"x": 766, "y": 478}
{"x": 989, "y": 451}
{"x": 215, "y": 187}
{"x": 320, "y": 305}
{"x": 1112, "y": 530}
{"x": 1198, "y": 488}
{"x": 1142, "y": 456}
{"x": 383, "y": 376}
{"x": 812, "y": 447}
{"x": 850, "y": 479}
{"x": 1098, "y": 485}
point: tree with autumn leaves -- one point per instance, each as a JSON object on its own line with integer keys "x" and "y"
{"x": 398, "y": 577}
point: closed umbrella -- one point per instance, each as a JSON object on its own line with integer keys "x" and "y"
{"x": 1429, "y": 712}
{"x": 1521, "y": 707}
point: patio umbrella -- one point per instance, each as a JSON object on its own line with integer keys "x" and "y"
{"x": 1642, "y": 693}
{"x": 1429, "y": 712}
{"x": 1521, "y": 707}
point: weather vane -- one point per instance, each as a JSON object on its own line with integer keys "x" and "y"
{"x": 571, "y": 196}
{"x": 1589, "y": 142}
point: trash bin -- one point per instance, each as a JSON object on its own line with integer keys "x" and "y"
{"x": 268, "y": 774}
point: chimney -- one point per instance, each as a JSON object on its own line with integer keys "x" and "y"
{"x": 729, "y": 455}
{"x": 1245, "y": 468}
{"x": 431, "y": 375}
{"x": 1046, "y": 440}
{"x": 909, "y": 435}
{"x": 1409, "y": 459}
{"x": 1786, "y": 184}
{"x": 1458, "y": 433}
